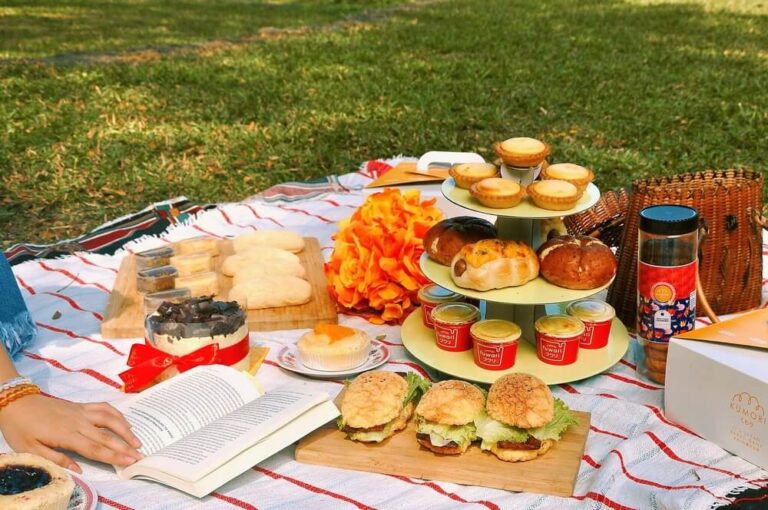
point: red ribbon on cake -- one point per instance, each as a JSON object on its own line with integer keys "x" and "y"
{"x": 147, "y": 362}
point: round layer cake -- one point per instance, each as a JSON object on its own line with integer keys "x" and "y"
{"x": 182, "y": 328}
{"x": 28, "y": 481}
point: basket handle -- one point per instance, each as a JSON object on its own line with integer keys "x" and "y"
{"x": 701, "y": 298}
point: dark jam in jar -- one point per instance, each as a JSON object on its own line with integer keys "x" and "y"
{"x": 15, "y": 479}
{"x": 666, "y": 281}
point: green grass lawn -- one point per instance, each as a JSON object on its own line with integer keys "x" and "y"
{"x": 630, "y": 88}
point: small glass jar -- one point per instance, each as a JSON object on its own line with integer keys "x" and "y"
{"x": 452, "y": 324}
{"x": 494, "y": 343}
{"x": 558, "y": 338}
{"x": 668, "y": 244}
{"x": 430, "y": 296}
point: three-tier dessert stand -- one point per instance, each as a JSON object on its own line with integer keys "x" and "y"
{"x": 522, "y": 305}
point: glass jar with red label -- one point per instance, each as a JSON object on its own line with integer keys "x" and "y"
{"x": 667, "y": 265}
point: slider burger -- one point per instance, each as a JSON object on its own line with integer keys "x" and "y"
{"x": 377, "y": 404}
{"x": 446, "y": 416}
{"x": 523, "y": 419}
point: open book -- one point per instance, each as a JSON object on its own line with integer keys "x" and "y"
{"x": 204, "y": 427}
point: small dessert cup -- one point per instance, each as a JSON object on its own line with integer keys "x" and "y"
{"x": 597, "y": 317}
{"x": 156, "y": 279}
{"x": 494, "y": 343}
{"x": 558, "y": 338}
{"x": 554, "y": 195}
{"x": 156, "y": 257}
{"x": 452, "y": 323}
{"x": 430, "y": 296}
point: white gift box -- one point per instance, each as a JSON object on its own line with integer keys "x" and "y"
{"x": 720, "y": 391}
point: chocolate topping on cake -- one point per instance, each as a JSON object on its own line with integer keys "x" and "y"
{"x": 196, "y": 317}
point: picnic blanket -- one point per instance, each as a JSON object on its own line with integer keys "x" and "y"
{"x": 635, "y": 457}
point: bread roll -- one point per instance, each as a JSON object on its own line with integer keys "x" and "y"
{"x": 494, "y": 264}
{"x": 444, "y": 240}
{"x": 271, "y": 292}
{"x": 246, "y": 273}
{"x": 283, "y": 239}
{"x": 257, "y": 256}
{"x": 577, "y": 262}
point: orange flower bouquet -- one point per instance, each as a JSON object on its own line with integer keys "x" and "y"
{"x": 374, "y": 267}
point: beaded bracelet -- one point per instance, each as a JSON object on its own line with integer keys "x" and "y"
{"x": 16, "y": 381}
{"x": 16, "y": 393}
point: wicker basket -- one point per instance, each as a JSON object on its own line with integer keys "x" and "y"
{"x": 604, "y": 220}
{"x": 730, "y": 257}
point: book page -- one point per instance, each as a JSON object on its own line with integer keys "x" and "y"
{"x": 194, "y": 456}
{"x": 176, "y": 408}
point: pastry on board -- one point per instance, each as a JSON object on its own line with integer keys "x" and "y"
{"x": 283, "y": 239}
{"x": 446, "y": 416}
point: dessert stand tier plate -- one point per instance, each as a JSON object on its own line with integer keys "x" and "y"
{"x": 420, "y": 342}
{"x": 525, "y": 209}
{"x": 536, "y": 292}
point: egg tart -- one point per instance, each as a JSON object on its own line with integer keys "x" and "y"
{"x": 497, "y": 193}
{"x": 522, "y": 152}
{"x": 466, "y": 174}
{"x": 554, "y": 194}
{"x": 575, "y": 174}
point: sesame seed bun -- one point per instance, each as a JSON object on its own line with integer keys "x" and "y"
{"x": 451, "y": 403}
{"x": 373, "y": 398}
{"x": 521, "y": 400}
{"x": 510, "y": 455}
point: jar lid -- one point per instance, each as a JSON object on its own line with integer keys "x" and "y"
{"x": 669, "y": 219}
{"x": 455, "y": 313}
{"x": 433, "y": 293}
{"x": 495, "y": 331}
{"x": 591, "y": 310}
{"x": 559, "y": 325}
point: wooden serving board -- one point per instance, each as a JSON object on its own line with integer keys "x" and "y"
{"x": 553, "y": 473}
{"x": 124, "y": 317}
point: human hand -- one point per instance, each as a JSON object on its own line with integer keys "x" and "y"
{"x": 40, "y": 425}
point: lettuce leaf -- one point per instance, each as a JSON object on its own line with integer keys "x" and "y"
{"x": 440, "y": 434}
{"x": 563, "y": 419}
{"x": 417, "y": 386}
{"x": 492, "y": 431}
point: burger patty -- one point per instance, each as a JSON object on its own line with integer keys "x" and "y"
{"x": 425, "y": 437}
{"x": 531, "y": 444}
{"x": 375, "y": 428}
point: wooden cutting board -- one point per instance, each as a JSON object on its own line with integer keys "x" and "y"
{"x": 553, "y": 473}
{"x": 124, "y": 317}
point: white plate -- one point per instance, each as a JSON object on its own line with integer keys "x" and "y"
{"x": 84, "y": 496}
{"x": 288, "y": 358}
